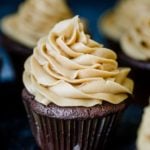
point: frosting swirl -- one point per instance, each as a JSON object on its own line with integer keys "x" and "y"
{"x": 136, "y": 42}
{"x": 68, "y": 68}
{"x": 116, "y": 22}
{"x": 143, "y": 140}
{"x": 34, "y": 19}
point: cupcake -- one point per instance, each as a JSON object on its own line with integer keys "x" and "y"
{"x": 21, "y": 31}
{"x": 135, "y": 45}
{"x": 143, "y": 140}
{"x": 74, "y": 90}
{"x": 115, "y": 22}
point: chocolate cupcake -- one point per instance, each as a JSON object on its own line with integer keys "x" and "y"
{"x": 115, "y": 22}
{"x": 21, "y": 31}
{"x": 74, "y": 91}
{"x": 143, "y": 140}
{"x": 135, "y": 46}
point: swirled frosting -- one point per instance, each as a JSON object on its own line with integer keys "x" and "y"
{"x": 68, "y": 68}
{"x": 34, "y": 19}
{"x": 143, "y": 140}
{"x": 116, "y": 22}
{"x": 136, "y": 42}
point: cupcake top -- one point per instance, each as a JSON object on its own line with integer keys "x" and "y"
{"x": 68, "y": 68}
{"x": 143, "y": 141}
{"x": 136, "y": 42}
{"x": 117, "y": 21}
{"x": 34, "y": 19}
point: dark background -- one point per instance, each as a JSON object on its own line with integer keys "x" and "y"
{"x": 14, "y": 129}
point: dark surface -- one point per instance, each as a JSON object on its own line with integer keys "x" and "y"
{"x": 15, "y": 133}
{"x": 1, "y": 65}
{"x": 114, "y": 45}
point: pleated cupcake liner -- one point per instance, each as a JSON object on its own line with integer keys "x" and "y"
{"x": 73, "y": 134}
{"x": 18, "y": 54}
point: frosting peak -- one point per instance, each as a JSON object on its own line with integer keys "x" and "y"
{"x": 117, "y": 21}
{"x": 34, "y": 19}
{"x": 136, "y": 42}
{"x": 68, "y": 68}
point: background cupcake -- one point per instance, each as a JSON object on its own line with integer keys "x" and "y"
{"x": 115, "y": 22}
{"x": 21, "y": 31}
{"x": 74, "y": 91}
{"x": 143, "y": 141}
{"x": 135, "y": 45}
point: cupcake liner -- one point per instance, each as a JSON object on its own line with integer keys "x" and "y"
{"x": 71, "y": 134}
{"x": 18, "y": 53}
{"x": 140, "y": 72}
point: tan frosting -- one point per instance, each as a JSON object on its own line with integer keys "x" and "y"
{"x": 143, "y": 141}
{"x": 68, "y": 68}
{"x": 34, "y": 19}
{"x": 136, "y": 42}
{"x": 116, "y": 22}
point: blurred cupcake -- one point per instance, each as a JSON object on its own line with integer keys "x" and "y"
{"x": 114, "y": 23}
{"x": 74, "y": 91}
{"x": 135, "y": 45}
{"x": 143, "y": 140}
{"x": 21, "y": 31}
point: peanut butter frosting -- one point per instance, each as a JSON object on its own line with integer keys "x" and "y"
{"x": 68, "y": 68}
{"x": 34, "y": 19}
{"x": 143, "y": 141}
{"x": 114, "y": 23}
{"x": 136, "y": 42}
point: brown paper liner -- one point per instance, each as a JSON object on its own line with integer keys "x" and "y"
{"x": 18, "y": 53}
{"x": 71, "y": 134}
{"x": 140, "y": 73}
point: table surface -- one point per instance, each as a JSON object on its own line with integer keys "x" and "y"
{"x": 15, "y": 133}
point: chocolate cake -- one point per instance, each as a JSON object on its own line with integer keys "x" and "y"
{"x": 18, "y": 54}
{"x": 74, "y": 90}
{"x": 54, "y": 111}
{"x": 71, "y": 128}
